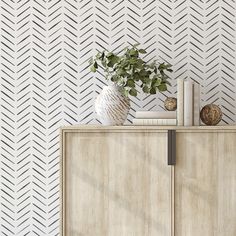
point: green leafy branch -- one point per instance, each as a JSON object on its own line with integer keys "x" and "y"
{"x": 129, "y": 71}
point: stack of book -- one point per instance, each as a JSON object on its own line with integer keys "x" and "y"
{"x": 155, "y": 118}
{"x": 188, "y": 103}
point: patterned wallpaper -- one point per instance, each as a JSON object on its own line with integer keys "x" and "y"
{"x": 46, "y": 83}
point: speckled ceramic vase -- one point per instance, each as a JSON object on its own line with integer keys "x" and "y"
{"x": 111, "y": 106}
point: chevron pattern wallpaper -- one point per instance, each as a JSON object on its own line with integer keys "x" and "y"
{"x": 46, "y": 83}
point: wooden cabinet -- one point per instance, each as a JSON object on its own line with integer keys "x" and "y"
{"x": 205, "y": 183}
{"x": 116, "y": 182}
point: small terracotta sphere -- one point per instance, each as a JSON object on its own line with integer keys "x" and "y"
{"x": 170, "y": 104}
{"x": 211, "y": 114}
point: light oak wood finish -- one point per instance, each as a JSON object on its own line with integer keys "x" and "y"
{"x": 115, "y": 182}
{"x": 205, "y": 184}
{"x": 100, "y": 128}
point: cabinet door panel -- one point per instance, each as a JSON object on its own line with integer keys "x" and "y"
{"x": 205, "y": 184}
{"x": 116, "y": 184}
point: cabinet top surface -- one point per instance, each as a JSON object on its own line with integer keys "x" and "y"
{"x": 91, "y": 128}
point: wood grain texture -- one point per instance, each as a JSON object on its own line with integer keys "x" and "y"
{"x": 205, "y": 184}
{"x": 154, "y": 128}
{"x": 116, "y": 184}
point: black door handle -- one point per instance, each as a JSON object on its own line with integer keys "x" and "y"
{"x": 171, "y": 147}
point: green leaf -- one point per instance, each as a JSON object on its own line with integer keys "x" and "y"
{"x": 153, "y": 91}
{"x": 157, "y": 83}
{"x": 145, "y": 89}
{"x": 152, "y": 65}
{"x": 109, "y": 54}
{"x": 133, "y": 52}
{"x": 148, "y": 81}
{"x": 126, "y": 92}
{"x": 138, "y": 66}
{"x": 112, "y": 60}
{"x": 143, "y": 73}
{"x": 130, "y": 83}
{"x": 155, "y": 70}
{"x": 120, "y": 71}
{"x": 162, "y": 73}
{"x": 132, "y": 61}
{"x": 162, "y": 87}
{"x": 114, "y": 78}
{"x": 115, "y": 59}
{"x": 162, "y": 66}
{"x": 95, "y": 64}
{"x": 93, "y": 69}
{"x": 136, "y": 45}
{"x": 100, "y": 56}
{"x": 142, "y": 51}
{"x": 136, "y": 76}
{"x": 133, "y": 92}
{"x": 104, "y": 63}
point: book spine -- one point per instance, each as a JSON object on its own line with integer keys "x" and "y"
{"x": 196, "y": 114}
{"x": 137, "y": 121}
{"x": 188, "y": 103}
{"x": 155, "y": 115}
{"x": 154, "y": 121}
{"x": 180, "y": 102}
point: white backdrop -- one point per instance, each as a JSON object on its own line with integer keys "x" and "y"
{"x": 46, "y": 82}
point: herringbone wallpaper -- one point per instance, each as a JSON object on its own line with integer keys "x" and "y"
{"x": 46, "y": 82}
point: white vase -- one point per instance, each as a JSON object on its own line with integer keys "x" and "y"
{"x": 111, "y": 106}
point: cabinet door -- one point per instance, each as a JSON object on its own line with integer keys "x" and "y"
{"x": 116, "y": 184}
{"x": 205, "y": 184}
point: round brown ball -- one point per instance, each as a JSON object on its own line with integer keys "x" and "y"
{"x": 211, "y": 114}
{"x": 170, "y": 104}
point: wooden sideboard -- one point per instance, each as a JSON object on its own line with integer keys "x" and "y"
{"x": 116, "y": 181}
